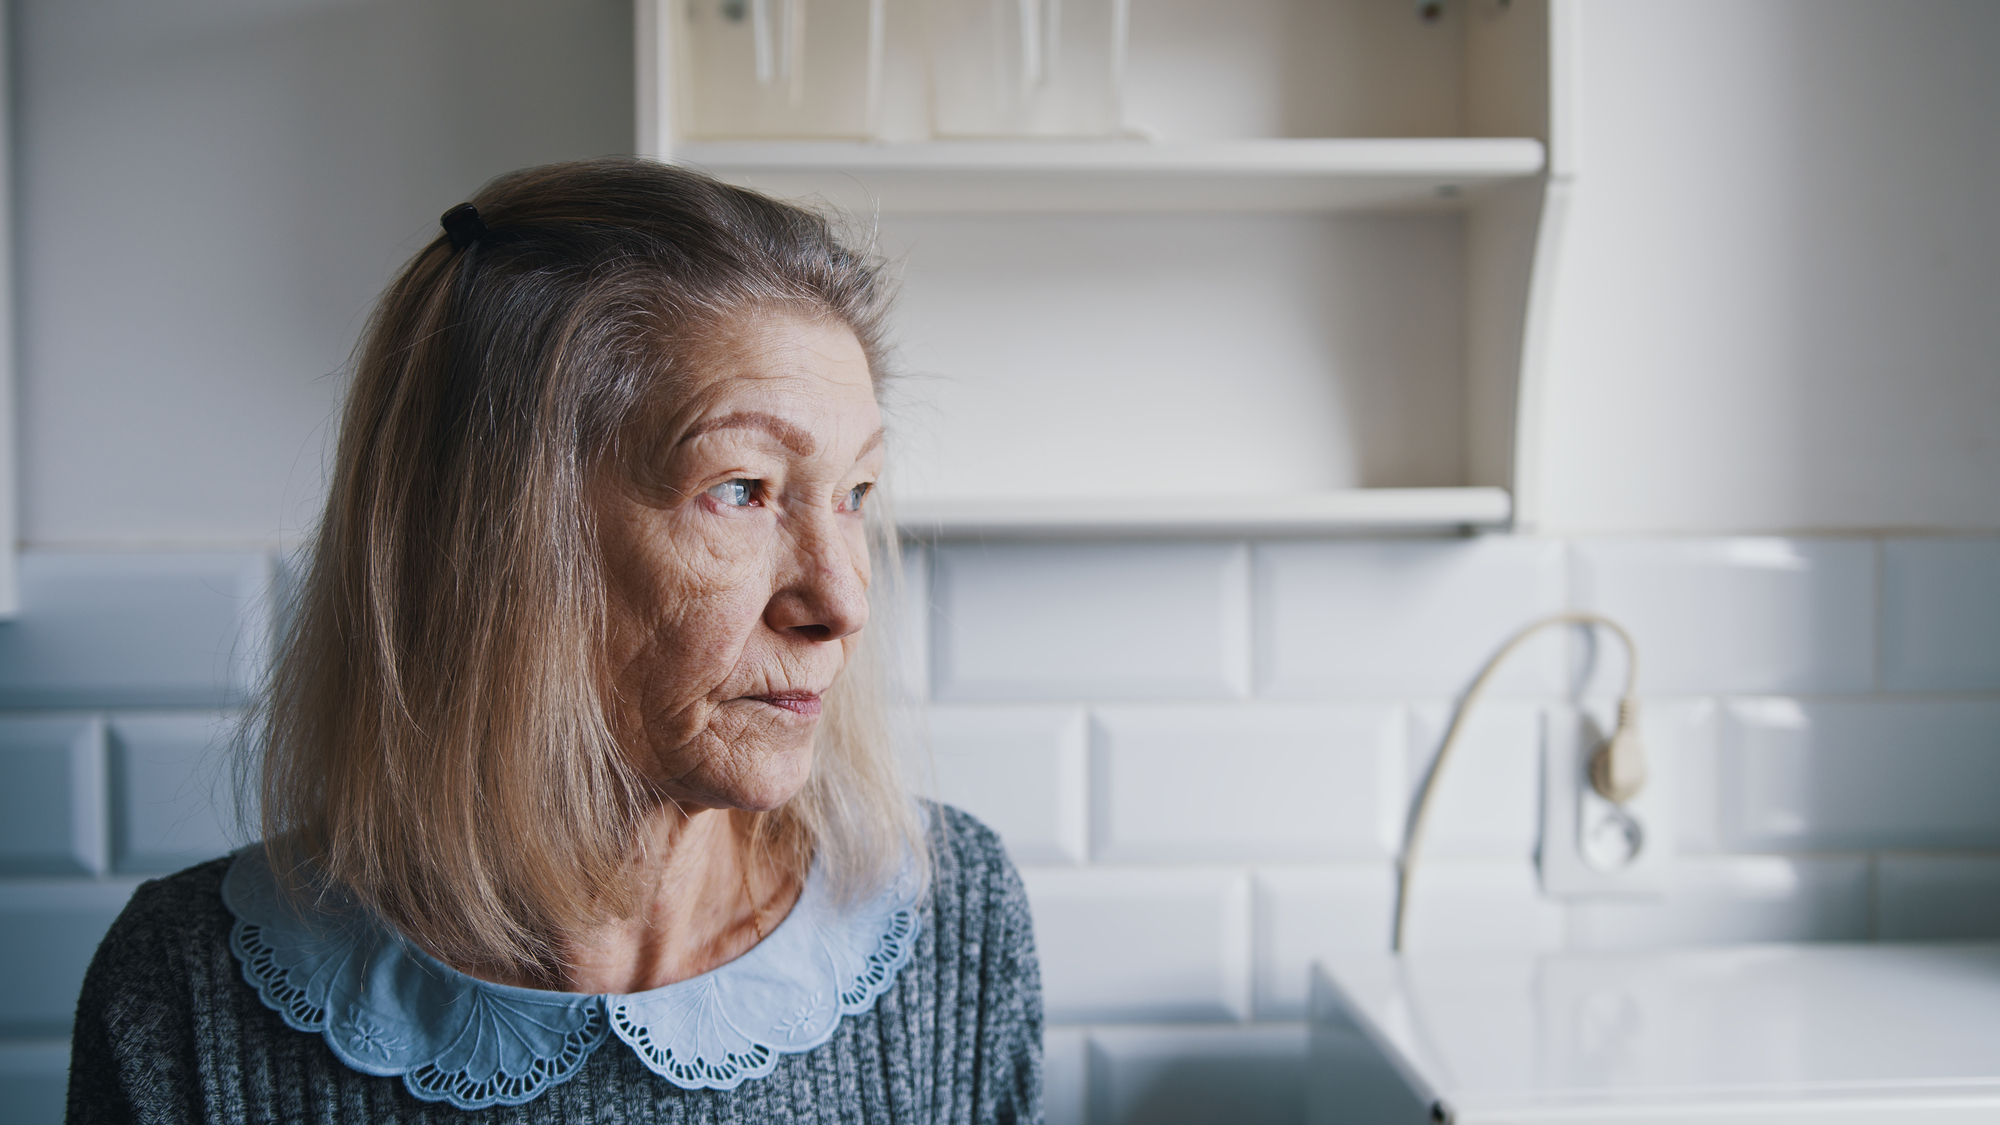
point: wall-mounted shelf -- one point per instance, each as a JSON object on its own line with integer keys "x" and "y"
{"x": 1310, "y": 302}
{"x": 1002, "y": 177}
{"x": 1357, "y": 509}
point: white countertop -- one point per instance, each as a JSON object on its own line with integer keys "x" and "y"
{"x": 1766, "y": 1033}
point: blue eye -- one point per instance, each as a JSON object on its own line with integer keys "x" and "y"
{"x": 855, "y": 496}
{"x": 738, "y": 493}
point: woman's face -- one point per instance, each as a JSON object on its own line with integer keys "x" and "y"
{"x": 736, "y": 564}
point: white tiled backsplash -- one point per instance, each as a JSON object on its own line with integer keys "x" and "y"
{"x": 1201, "y": 754}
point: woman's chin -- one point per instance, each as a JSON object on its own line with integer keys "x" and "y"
{"x": 777, "y": 777}
{"x": 771, "y": 793}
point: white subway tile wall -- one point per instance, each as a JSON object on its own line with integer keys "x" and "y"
{"x": 171, "y": 791}
{"x": 34, "y": 1080}
{"x": 1020, "y": 769}
{"x": 1488, "y": 798}
{"x": 1941, "y": 611}
{"x": 1810, "y": 775}
{"x": 1686, "y": 728}
{"x": 1202, "y": 755}
{"x": 1065, "y": 1076}
{"x": 1404, "y": 618}
{"x": 910, "y": 616}
{"x": 1305, "y": 913}
{"x": 1480, "y": 904}
{"x": 1135, "y": 621}
{"x": 1738, "y": 615}
{"x": 136, "y": 630}
{"x": 1937, "y": 897}
{"x": 1200, "y": 783}
{"x": 51, "y": 929}
{"x": 1142, "y": 945}
{"x": 52, "y": 796}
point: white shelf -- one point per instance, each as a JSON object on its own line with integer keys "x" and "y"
{"x": 942, "y": 177}
{"x": 1362, "y": 509}
{"x": 1402, "y": 347}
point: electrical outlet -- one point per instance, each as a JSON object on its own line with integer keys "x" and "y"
{"x": 1590, "y": 847}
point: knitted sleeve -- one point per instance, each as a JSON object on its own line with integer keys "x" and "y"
{"x": 1007, "y": 1000}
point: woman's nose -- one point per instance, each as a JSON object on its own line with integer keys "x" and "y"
{"x": 822, "y": 593}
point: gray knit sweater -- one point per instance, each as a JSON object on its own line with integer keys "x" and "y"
{"x": 168, "y": 1031}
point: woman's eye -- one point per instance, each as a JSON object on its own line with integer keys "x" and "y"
{"x": 855, "y": 495}
{"x": 738, "y": 493}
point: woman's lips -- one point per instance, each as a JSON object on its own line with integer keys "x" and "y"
{"x": 797, "y": 702}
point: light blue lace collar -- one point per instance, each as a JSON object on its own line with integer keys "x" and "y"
{"x": 385, "y": 1007}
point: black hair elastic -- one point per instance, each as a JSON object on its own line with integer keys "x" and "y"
{"x": 463, "y": 224}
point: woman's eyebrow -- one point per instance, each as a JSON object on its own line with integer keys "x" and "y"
{"x": 791, "y": 436}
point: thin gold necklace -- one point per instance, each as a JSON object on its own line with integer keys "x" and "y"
{"x": 756, "y": 914}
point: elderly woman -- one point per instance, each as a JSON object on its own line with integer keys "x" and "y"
{"x": 577, "y": 800}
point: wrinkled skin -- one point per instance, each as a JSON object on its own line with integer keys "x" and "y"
{"x": 737, "y": 574}
{"x": 734, "y": 607}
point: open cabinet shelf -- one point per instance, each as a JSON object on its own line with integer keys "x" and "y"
{"x": 1310, "y": 301}
{"x": 1355, "y": 509}
{"x": 997, "y": 177}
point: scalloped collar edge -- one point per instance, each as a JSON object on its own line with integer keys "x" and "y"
{"x": 386, "y": 1008}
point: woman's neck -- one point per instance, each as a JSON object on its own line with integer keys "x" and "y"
{"x": 706, "y": 896}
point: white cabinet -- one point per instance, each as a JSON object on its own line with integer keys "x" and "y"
{"x": 1303, "y": 293}
{"x": 1875, "y": 1034}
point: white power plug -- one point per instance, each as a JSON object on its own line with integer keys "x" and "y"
{"x": 1618, "y": 768}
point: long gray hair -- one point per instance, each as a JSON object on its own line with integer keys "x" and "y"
{"x": 434, "y": 737}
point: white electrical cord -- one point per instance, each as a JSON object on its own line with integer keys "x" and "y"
{"x": 1617, "y": 769}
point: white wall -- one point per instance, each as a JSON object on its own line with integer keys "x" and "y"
{"x": 1777, "y": 302}
{"x": 212, "y": 192}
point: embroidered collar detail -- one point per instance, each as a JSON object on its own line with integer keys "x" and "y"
{"x": 387, "y": 1008}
